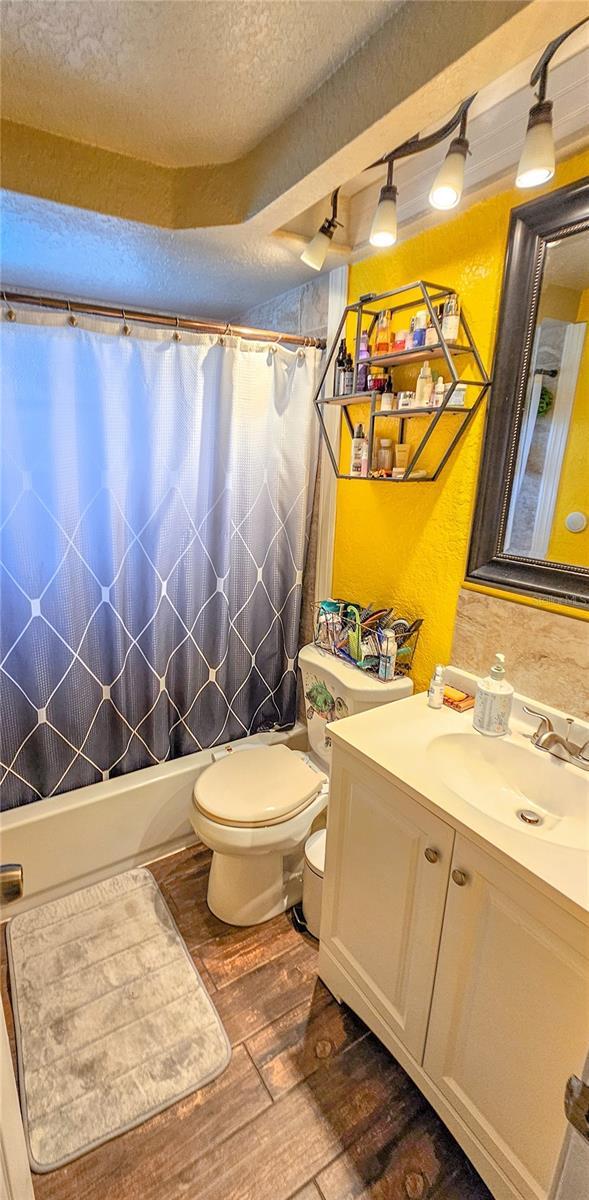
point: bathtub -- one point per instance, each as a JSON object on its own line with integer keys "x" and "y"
{"x": 70, "y": 841}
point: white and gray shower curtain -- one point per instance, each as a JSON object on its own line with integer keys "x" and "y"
{"x": 155, "y": 503}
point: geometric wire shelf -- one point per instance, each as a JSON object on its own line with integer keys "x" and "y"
{"x": 423, "y": 293}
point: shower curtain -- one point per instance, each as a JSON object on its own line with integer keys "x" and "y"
{"x": 155, "y": 504}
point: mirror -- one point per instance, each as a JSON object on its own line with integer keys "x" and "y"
{"x": 548, "y": 515}
{"x": 531, "y": 526}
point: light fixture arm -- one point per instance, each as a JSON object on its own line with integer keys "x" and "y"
{"x": 415, "y": 144}
{"x": 334, "y": 199}
{"x": 540, "y": 73}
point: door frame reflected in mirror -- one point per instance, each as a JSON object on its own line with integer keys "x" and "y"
{"x": 533, "y": 226}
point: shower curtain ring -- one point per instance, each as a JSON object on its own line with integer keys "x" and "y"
{"x": 126, "y": 330}
{"x": 72, "y": 320}
{"x": 177, "y": 336}
{"x": 10, "y": 313}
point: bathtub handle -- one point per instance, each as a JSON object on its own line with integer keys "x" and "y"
{"x": 11, "y": 881}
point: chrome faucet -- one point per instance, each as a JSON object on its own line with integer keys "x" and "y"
{"x": 546, "y": 738}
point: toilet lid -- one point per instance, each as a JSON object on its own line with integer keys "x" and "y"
{"x": 263, "y": 787}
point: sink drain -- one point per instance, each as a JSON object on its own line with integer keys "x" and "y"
{"x": 529, "y": 817}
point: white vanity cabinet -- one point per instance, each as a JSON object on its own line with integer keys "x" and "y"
{"x": 386, "y": 878}
{"x": 476, "y": 980}
{"x": 510, "y": 1014}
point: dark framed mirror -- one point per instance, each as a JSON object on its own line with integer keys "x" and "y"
{"x": 531, "y": 524}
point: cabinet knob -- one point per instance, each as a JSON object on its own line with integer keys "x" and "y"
{"x": 460, "y": 878}
{"x": 431, "y": 854}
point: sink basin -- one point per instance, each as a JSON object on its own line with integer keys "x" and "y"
{"x": 505, "y": 779}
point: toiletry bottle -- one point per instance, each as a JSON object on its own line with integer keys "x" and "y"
{"x": 424, "y": 386}
{"x": 451, "y": 318}
{"x": 349, "y": 376}
{"x": 386, "y": 404}
{"x": 384, "y": 461}
{"x": 357, "y": 445}
{"x": 382, "y": 334}
{"x": 402, "y": 450}
{"x": 388, "y": 656}
{"x": 363, "y": 356}
{"x": 364, "y": 462}
{"x": 494, "y": 697}
{"x": 439, "y": 392}
{"x": 340, "y": 366}
{"x": 435, "y": 694}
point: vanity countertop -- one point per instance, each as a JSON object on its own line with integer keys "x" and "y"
{"x": 436, "y": 756}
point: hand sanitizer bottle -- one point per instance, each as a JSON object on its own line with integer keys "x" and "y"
{"x": 435, "y": 695}
{"x": 494, "y": 697}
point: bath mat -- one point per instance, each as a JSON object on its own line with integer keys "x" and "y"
{"x": 113, "y": 1023}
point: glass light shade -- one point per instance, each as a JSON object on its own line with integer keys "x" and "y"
{"x": 537, "y": 163}
{"x": 315, "y": 253}
{"x": 449, "y": 182}
{"x": 384, "y": 223}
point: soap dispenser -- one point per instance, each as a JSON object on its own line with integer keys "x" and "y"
{"x": 494, "y": 697}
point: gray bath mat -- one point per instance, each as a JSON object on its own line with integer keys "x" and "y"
{"x": 113, "y": 1023}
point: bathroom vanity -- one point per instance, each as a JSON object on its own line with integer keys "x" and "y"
{"x": 457, "y": 931}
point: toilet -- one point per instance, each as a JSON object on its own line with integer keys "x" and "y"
{"x": 256, "y": 805}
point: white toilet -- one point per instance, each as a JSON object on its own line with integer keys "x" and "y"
{"x": 255, "y": 807}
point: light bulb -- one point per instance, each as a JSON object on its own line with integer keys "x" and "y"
{"x": 384, "y": 223}
{"x": 537, "y": 163}
{"x": 315, "y": 253}
{"x": 449, "y": 182}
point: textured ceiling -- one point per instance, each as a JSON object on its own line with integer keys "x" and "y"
{"x": 217, "y": 273}
{"x": 175, "y": 82}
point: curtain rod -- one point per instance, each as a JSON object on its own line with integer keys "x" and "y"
{"x": 191, "y": 323}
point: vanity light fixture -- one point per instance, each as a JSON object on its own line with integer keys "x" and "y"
{"x": 447, "y": 188}
{"x": 315, "y": 253}
{"x": 537, "y": 161}
{"x": 384, "y": 223}
{"x": 536, "y": 164}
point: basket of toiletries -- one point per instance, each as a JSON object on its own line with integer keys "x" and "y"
{"x": 376, "y": 640}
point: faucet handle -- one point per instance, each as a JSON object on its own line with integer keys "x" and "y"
{"x": 545, "y": 725}
{"x": 583, "y": 752}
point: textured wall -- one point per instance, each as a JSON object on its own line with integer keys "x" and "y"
{"x": 547, "y": 653}
{"x": 300, "y": 310}
{"x": 409, "y": 543}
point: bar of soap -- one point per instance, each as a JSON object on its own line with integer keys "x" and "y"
{"x": 459, "y": 701}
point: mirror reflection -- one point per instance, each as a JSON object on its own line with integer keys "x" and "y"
{"x": 548, "y": 514}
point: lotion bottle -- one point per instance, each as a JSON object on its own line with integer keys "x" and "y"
{"x": 435, "y": 694}
{"x": 424, "y": 387}
{"x": 357, "y": 448}
{"x": 494, "y": 697}
{"x": 388, "y": 656}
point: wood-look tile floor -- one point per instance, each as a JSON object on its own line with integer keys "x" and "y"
{"x": 311, "y": 1107}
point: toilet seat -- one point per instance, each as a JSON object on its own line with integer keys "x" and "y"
{"x": 266, "y": 786}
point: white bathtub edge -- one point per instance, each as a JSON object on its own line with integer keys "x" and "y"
{"x": 73, "y": 840}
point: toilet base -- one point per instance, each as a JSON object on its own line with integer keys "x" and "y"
{"x": 250, "y": 889}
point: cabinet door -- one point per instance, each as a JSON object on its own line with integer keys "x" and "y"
{"x": 383, "y": 900}
{"x": 510, "y": 1014}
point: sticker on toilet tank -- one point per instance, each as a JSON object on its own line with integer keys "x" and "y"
{"x": 322, "y": 704}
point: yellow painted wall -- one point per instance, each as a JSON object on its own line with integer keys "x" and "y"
{"x": 573, "y": 493}
{"x": 408, "y": 543}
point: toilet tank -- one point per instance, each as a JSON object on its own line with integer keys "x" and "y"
{"x": 333, "y": 688}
